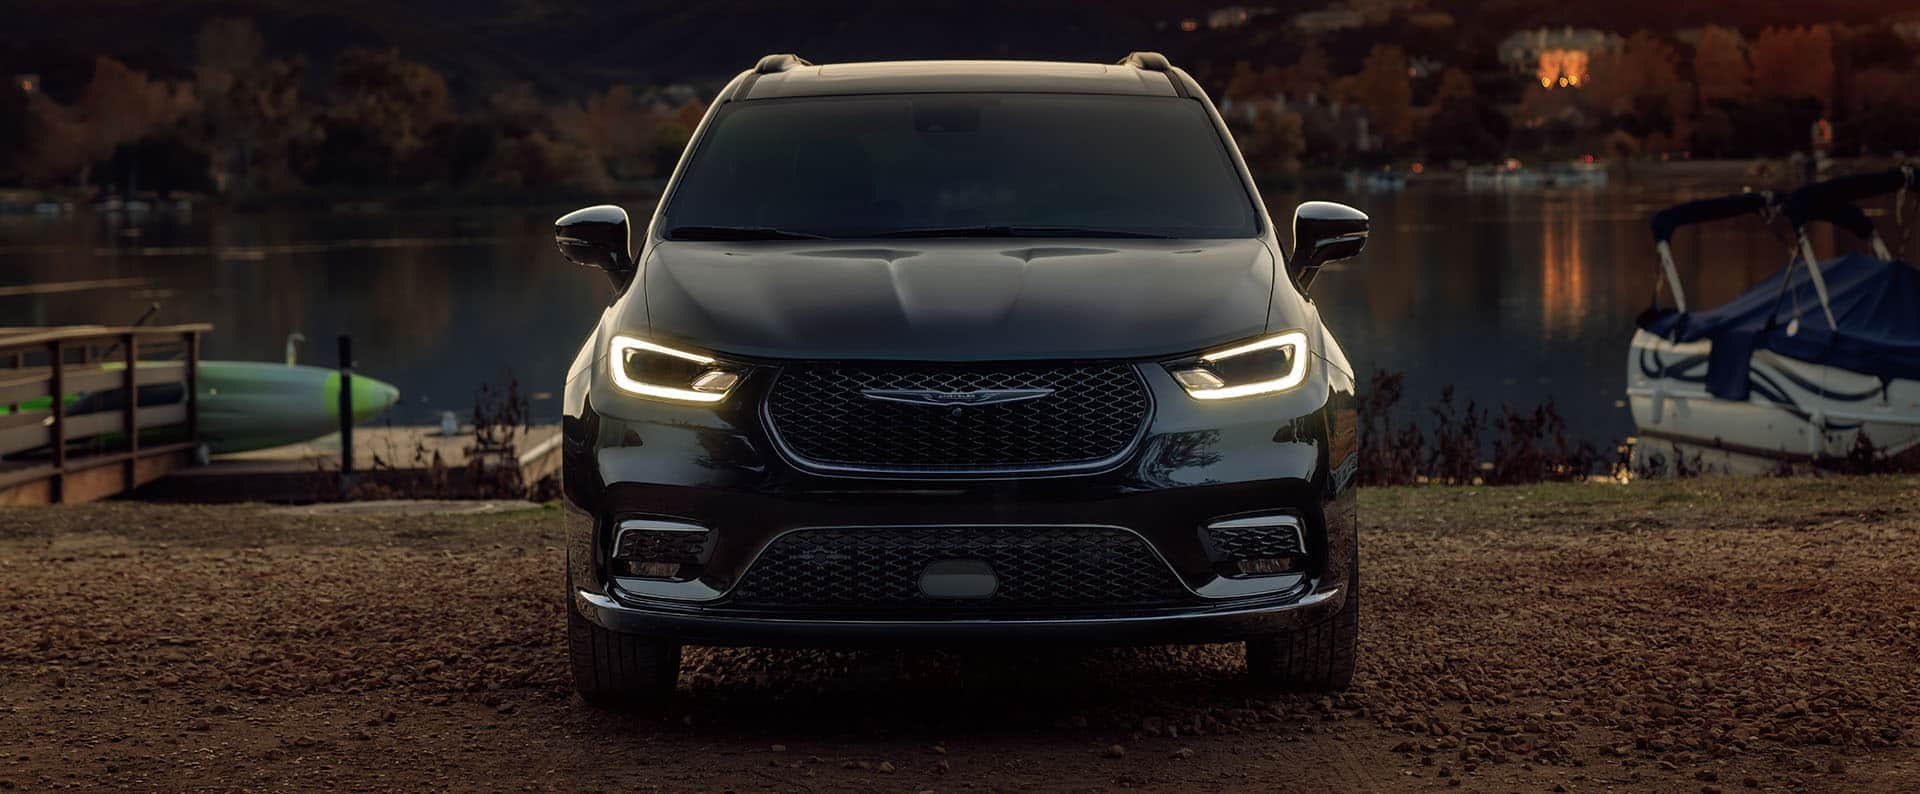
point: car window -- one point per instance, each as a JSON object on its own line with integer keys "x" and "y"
{"x": 962, "y": 164}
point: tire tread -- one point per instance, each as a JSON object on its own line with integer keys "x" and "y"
{"x": 616, "y": 670}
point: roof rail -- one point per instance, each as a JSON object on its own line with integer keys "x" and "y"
{"x": 1148, "y": 61}
{"x": 779, "y": 62}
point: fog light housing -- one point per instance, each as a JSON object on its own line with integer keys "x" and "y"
{"x": 660, "y": 549}
{"x": 1252, "y": 546}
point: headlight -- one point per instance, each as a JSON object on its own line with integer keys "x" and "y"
{"x": 653, "y": 370}
{"x": 1264, "y": 366}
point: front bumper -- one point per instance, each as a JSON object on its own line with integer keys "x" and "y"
{"x": 1196, "y": 464}
{"x": 703, "y": 626}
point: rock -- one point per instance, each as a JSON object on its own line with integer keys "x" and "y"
{"x": 1115, "y": 751}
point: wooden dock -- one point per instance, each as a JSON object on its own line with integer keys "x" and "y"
{"x": 401, "y": 461}
{"x": 111, "y": 443}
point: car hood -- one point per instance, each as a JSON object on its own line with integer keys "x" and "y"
{"x": 948, "y": 300}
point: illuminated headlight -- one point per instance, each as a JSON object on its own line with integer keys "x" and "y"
{"x": 1264, "y": 366}
{"x": 648, "y": 369}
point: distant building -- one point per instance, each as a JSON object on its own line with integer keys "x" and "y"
{"x": 1380, "y": 12}
{"x": 1558, "y": 58}
{"x": 1908, "y": 28}
{"x": 27, "y": 83}
{"x": 1353, "y": 14}
{"x": 1328, "y": 20}
{"x": 1235, "y": 16}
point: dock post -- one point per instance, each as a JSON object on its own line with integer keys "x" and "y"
{"x": 346, "y": 416}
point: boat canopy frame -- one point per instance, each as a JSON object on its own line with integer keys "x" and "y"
{"x": 1830, "y": 201}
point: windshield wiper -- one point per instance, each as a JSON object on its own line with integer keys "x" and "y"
{"x": 738, "y": 233}
{"x": 1016, "y": 231}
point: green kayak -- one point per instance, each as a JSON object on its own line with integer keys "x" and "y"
{"x": 247, "y": 405}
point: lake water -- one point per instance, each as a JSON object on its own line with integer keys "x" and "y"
{"x": 1509, "y": 297}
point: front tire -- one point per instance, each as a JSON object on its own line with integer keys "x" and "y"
{"x": 613, "y": 670}
{"x": 1316, "y": 658}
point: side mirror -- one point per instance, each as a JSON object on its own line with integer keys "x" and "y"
{"x": 597, "y": 237}
{"x": 1324, "y": 232}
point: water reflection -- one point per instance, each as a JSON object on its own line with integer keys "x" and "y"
{"x": 1509, "y": 297}
{"x": 437, "y": 303}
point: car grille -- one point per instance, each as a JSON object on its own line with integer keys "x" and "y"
{"x": 1094, "y": 415}
{"x": 880, "y": 568}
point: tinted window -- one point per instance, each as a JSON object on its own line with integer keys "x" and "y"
{"x": 1020, "y": 164}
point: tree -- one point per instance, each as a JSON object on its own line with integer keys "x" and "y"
{"x": 394, "y": 101}
{"x": 253, "y": 110}
{"x": 1640, "y": 87}
{"x": 1250, "y": 84}
{"x": 1454, "y": 84}
{"x": 1645, "y": 67}
{"x": 1312, "y": 74}
{"x": 1272, "y": 141}
{"x": 14, "y": 120}
{"x": 1465, "y": 128}
{"x": 1794, "y": 63}
{"x": 58, "y": 147}
{"x": 1720, "y": 67}
{"x": 612, "y": 126}
{"x": 1383, "y": 87}
{"x": 119, "y": 106}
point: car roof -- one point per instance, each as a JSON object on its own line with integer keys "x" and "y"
{"x": 907, "y": 77}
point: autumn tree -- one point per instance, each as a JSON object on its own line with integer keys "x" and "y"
{"x": 1794, "y": 63}
{"x": 1385, "y": 90}
{"x": 13, "y": 130}
{"x": 1720, "y": 69}
{"x": 384, "y": 109}
{"x": 1312, "y": 74}
{"x": 1272, "y": 140}
{"x": 673, "y": 131}
{"x": 1645, "y": 70}
{"x": 119, "y": 106}
{"x": 57, "y": 147}
{"x": 612, "y": 127}
{"x": 1454, "y": 84}
{"x": 1251, "y": 83}
{"x": 1640, "y": 87}
{"x": 252, "y": 108}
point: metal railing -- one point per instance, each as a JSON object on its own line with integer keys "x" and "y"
{"x": 90, "y": 411}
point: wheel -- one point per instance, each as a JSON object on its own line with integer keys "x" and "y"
{"x": 615, "y": 670}
{"x": 1317, "y": 658}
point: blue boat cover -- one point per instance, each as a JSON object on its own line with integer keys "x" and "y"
{"x": 1877, "y": 304}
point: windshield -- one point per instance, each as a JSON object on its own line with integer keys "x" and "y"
{"x": 940, "y": 165}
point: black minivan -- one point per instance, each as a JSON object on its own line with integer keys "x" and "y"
{"x": 954, "y": 352}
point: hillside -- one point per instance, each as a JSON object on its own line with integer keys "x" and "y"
{"x": 569, "y": 48}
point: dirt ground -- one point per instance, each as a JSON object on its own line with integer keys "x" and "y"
{"x": 1700, "y": 636}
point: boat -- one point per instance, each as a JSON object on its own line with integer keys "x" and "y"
{"x": 1818, "y": 364}
{"x": 1380, "y": 181}
{"x": 248, "y": 405}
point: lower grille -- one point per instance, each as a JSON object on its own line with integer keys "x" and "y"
{"x": 880, "y": 568}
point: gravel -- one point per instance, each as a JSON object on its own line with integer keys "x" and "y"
{"x": 1702, "y": 635}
